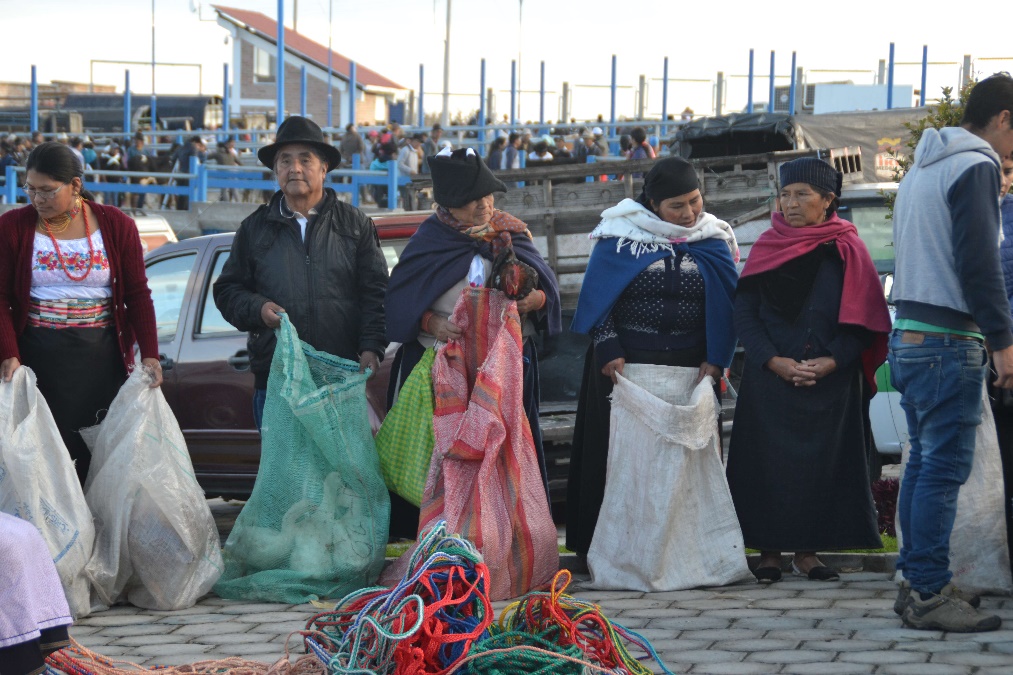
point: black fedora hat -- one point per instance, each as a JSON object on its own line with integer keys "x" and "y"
{"x": 299, "y": 130}
{"x": 460, "y": 177}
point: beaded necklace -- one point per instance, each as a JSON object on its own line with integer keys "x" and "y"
{"x": 59, "y": 254}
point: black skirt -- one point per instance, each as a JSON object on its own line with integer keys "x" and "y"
{"x": 79, "y": 373}
{"x": 585, "y": 489}
{"x": 29, "y": 658}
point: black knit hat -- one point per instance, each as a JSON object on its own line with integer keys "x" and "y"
{"x": 299, "y": 130}
{"x": 461, "y": 177}
{"x": 814, "y": 172}
{"x": 669, "y": 177}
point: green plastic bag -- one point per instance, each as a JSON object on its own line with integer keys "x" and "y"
{"x": 316, "y": 524}
{"x": 405, "y": 439}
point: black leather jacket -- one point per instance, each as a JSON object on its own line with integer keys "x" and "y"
{"x": 332, "y": 285}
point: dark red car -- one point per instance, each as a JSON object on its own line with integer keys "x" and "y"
{"x": 206, "y": 367}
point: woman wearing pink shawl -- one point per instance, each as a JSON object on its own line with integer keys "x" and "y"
{"x": 811, "y": 316}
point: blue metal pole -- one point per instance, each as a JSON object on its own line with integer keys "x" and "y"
{"x": 302, "y": 91}
{"x": 422, "y": 111}
{"x": 925, "y": 71}
{"x": 126, "y": 108}
{"x": 356, "y": 165}
{"x": 330, "y": 75}
{"x": 791, "y": 89}
{"x": 392, "y": 184}
{"x": 226, "y": 100}
{"x": 749, "y": 99}
{"x": 612, "y": 116}
{"x": 353, "y": 93}
{"x": 33, "y": 122}
{"x": 770, "y": 99}
{"x": 889, "y": 81}
{"x": 664, "y": 100}
{"x": 513, "y": 92}
{"x": 279, "y": 109}
{"x": 541, "y": 98}
{"x": 481, "y": 109}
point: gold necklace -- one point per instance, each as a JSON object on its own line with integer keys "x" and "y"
{"x": 60, "y": 223}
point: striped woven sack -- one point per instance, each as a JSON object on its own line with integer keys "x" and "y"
{"x": 405, "y": 439}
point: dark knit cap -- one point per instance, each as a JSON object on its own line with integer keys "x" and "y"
{"x": 461, "y": 177}
{"x": 669, "y": 177}
{"x": 813, "y": 171}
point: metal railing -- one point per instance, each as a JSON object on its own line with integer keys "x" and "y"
{"x": 203, "y": 177}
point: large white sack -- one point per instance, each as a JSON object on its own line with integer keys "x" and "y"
{"x": 38, "y": 484}
{"x": 156, "y": 542}
{"x": 979, "y": 555}
{"x": 667, "y": 521}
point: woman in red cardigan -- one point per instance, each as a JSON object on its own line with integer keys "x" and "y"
{"x": 73, "y": 296}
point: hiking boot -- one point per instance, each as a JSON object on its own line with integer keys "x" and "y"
{"x": 943, "y": 611}
{"x": 904, "y": 593}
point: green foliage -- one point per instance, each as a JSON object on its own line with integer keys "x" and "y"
{"x": 947, "y": 113}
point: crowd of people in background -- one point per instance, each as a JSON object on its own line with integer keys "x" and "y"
{"x": 558, "y": 144}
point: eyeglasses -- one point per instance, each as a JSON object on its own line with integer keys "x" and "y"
{"x": 41, "y": 194}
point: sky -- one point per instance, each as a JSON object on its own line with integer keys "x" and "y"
{"x": 575, "y": 39}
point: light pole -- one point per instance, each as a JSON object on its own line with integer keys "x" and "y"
{"x": 152, "y": 113}
{"x": 520, "y": 43}
{"x": 330, "y": 67}
{"x": 445, "y": 117}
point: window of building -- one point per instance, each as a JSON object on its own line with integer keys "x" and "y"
{"x": 264, "y": 67}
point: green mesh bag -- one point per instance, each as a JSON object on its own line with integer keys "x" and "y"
{"x": 316, "y": 524}
{"x": 405, "y": 439}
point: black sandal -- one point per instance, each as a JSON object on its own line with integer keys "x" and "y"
{"x": 817, "y": 573}
{"x": 767, "y": 575}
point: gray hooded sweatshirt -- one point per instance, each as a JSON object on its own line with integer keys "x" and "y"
{"x": 946, "y": 234}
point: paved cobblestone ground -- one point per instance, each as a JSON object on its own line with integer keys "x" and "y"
{"x": 795, "y": 626}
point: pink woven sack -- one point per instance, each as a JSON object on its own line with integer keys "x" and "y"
{"x": 484, "y": 478}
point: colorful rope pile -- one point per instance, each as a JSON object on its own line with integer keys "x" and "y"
{"x": 437, "y": 620}
{"x": 422, "y": 626}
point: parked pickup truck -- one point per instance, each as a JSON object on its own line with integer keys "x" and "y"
{"x": 206, "y": 366}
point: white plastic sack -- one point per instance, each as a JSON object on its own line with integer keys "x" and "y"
{"x": 979, "y": 555}
{"x": 667, "y": 521}
{"x": 156, "y": 541}
{"x": 38, "y": 484}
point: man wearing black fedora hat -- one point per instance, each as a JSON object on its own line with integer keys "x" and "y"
{"x": 309, "y": 255}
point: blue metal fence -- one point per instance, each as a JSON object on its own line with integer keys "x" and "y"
{"x": 204, "y": 177}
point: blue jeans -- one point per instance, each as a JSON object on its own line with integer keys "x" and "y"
{"x": 259, "y": 398}
{"x": 941, "y": 381}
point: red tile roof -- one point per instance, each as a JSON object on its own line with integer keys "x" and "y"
{"x": 267, "y": 28}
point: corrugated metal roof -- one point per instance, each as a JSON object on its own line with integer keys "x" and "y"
{"x": 301, "y": 45}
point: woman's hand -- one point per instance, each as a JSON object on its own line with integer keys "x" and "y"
{"x": 820, "y": 367}
{"x": 531, "y": 302}
{"x": 443, "y": 330}
{"x": 153, "y": 368}
{"x": 7, "y": 369}
{"x": 708, "y": 369}
{"x": 791, "y": 371}
{"x": 613, "y": 368}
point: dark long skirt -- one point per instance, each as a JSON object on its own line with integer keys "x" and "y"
{"x": 404, "y": 516}
{"x": 585, "y": 487}
{"x": 797, "y": 466}
{"x": 29, "y": 658}
{"x": 79, "y": 372}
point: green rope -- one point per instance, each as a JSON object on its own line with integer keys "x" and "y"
{"x": 526, "y": 662}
